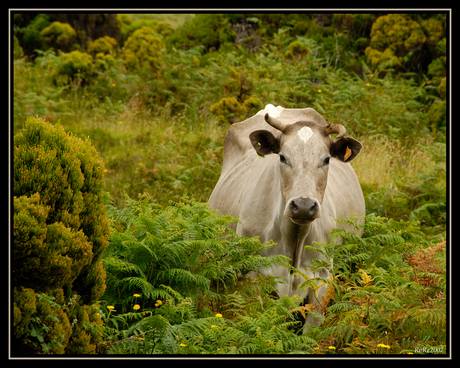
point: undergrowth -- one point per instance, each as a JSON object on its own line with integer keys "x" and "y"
{"x": 179, "y": 281}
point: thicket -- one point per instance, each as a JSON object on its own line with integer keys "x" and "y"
{"x": 156, "y": 101}
{"x": 60, "y": 233}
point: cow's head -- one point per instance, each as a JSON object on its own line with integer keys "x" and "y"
{"x": 305, "y": 150}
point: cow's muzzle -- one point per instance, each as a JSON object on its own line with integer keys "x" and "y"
{"x": 303, "y": 211}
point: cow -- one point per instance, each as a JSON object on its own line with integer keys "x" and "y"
{"x": 287, "y": 180}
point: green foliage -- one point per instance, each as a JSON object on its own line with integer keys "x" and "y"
{"x": 60, "y": 233}
{"x": 397, "y": 40}
{"x": 209, "y": 30}
{"x": 228, "y": 110}
{"x": 59, "y": 35}
{"x": 128, "y": 26}
{"x": 17, "y": 49}
{"x": 389, "y": 288}
{"x": 104, "y": 45}
{"x": 148, "y": 247}
{"x": 174, "y": 272}
{"x": 75, "y": 66}
{"x": 143, "y": 49}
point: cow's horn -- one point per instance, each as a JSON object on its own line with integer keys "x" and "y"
{"x": 336, "y": 128}
{"x": 275, "y": 123}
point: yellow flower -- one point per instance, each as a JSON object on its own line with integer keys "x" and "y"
{"x": 158, "y": 303}
{"x": 331, "y": 347}
{"x": 105, "y": 170}
{"x": 136, "y": 307}
{"x": 218, "y": 315}
{"x": 140, "y": 338}
{"x": 383, "y": 346}
{"x": 316, "y": 348}
{"x": 137, "y": 295}
{"x": 120, "y": 122}
{"x": 109, "y": 307}
{"x": 368, "y": 84}
{"x": 114, "y": 85}
{"x": 214, "y": 326}
{"x": 319, "y": 91}
{"x": 182, "y": 344}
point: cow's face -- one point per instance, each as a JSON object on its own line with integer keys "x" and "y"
{"x": 305, "y": 151}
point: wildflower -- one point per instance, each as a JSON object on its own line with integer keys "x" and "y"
{"x": 319, "y": 91}
{"x": 136, "y": 295}
{"x": 136, "y": 307}
{"x": 383, "y": 346}
{"x": 114, "y": 85}
{"x": 219, "y": 315}
{"x": 140, "y": 338}
{"x": 214, "y": 326}
{"x": 331, "y": 347}
{"x": 316, "y": 348}
{"x": 110, "y": 307}
{"x": 158, "y": 303}
{"x": 120, "y": 122}
{"x": 368, "y": 84}
{"x": 182, "y": 344}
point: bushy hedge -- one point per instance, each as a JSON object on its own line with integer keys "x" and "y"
{"x": 60, "y": 234}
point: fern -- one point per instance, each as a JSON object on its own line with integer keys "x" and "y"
{"x": 387, "y": 284}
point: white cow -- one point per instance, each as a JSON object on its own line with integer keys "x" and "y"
{"x": 287, "y": 180}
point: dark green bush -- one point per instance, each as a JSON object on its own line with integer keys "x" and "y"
{"x": 60, "y": 234}
{"x": 59, "y": 36}
{"x": 209, "y": 30}
{"x": 75, "y": 66}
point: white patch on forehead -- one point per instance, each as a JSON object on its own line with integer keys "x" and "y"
{"x": 305, "y": 134}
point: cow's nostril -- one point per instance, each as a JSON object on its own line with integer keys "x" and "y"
{"x": 303, "y": 208}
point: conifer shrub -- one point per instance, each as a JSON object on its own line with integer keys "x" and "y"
{"x": 60, "y": 234}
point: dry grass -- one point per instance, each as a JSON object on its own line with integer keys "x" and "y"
{"x": 382, "y": 159}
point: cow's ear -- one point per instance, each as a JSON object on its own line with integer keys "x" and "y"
{"x": 345, "y": 149}
{"x": 264, "y": 142}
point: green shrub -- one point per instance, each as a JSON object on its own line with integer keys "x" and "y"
{"x": 398, "y": 40}
{"x": 17, "y": 49}
{"x": 75, "y": 66}
{"x": 209, "y": 30}
{"x": 59, "y": 35}
{"x": 296, "y": 50}
{"x": 104, "y": 45}
{"x": 143, "y": 50}
{"x": 128, "y": 26}
{"x": 228, "y": 110}
{"x": 60, "y": 234}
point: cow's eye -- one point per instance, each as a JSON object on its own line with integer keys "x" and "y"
{"x": 326, "y": 160}
{"x": 282, "y": 158}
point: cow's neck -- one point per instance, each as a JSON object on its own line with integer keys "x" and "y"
{"x": 293, "y": 240}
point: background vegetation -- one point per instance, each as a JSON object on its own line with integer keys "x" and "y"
{"x": 155, "y": 94}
